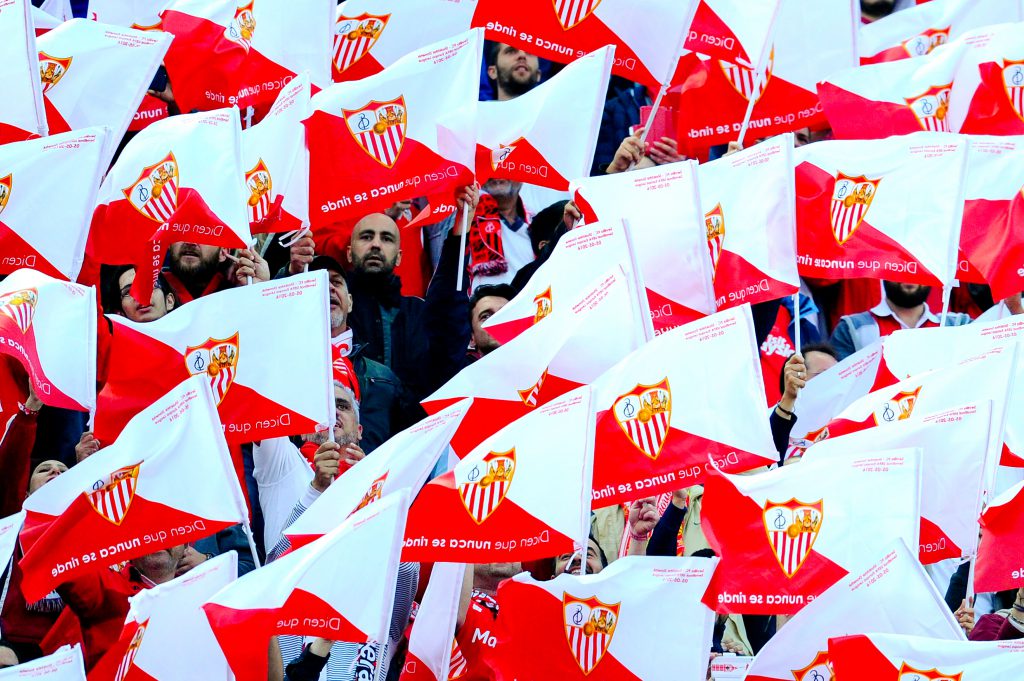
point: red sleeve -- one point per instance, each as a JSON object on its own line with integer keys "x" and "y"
{"x": 17, "y": 436}
{"x": 994, "y": 628}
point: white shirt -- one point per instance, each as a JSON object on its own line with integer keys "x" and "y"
{"x": 282, "y": 475}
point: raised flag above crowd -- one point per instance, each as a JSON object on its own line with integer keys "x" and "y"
{"x": 22, "y": 115}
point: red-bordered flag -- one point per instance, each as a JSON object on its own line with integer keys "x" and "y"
{"x": 908, "y": 658}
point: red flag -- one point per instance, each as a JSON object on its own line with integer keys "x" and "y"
{"x": 997, "y": 566}
{"x": 668, "y": 414}
{"x": 340, "y": 587}
{"x": 64, "y": 665}
{"x": 267, "y": 380}
{"x": 989, "y": 95}
{"x": 526, "y": 139}
{"x": 787, "y": 535}
{"x": 510, "y": 499}
{"x": 891, "y": 657}
{"x": 853, "y": 199}
{"x": 432, "y": 648}
{"x": 639, "y": 618}
{"x": 23, "y": 115}
{"x": 135, "y": 498}
{"x": 401, "y": 136}
{"x": 732, "y": 30}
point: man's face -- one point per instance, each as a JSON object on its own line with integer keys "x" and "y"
{"x": 488, "y": 575}
{"x": 484, "y": 310}
{"x": 159, "y": 304}
{"x": 501, "y": 189}
{"x": 570, "y": 563}
{"x": 906, "y": 295}
{"x": 195, "y": 262}
{"x": 341, "y": 302}
{"x": 397, "y": 209}
{"x": 159, "y": 563}
{"x": 44, "y": 473}
{"x": 817, "y": 362}
{"x": 515, "y": 71}
{"x": 375, "y": 247}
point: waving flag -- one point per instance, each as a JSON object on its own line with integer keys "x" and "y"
{"x": 9, "y": 529}
{"x": 989, "y": 95}
{"x": 732, "y": 30}
{"x": 134, "y": 499}
{"x": 50, "y": 327}
{"x": 311, "y": 591}
{"x": 1002, "y": 526}
{"x": 639, "y": 618}
{"x": 143, "y": 15}
{"x": 267, "y": 380}
{"x": 400, "y": 134}
{"x": 568, "y": 29}
{"x": 787, "y": 535}
{"x": 510, "y": 499}
{"x": 525, "y": 139}
{"x": 751, "y": 233}
{"x": 853, "y": 203}
{"x": 64, "y": 665}
{"x": 432, "y": 646}
{"x": 22, "y": 115}
{"x": 180, "y": 179}
{"x": 232, "y": 52}
{"x": 891, "y": 656}
{"x": 36, "y": 231}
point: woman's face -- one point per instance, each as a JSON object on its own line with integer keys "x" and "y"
{"x": 44, "y": 473}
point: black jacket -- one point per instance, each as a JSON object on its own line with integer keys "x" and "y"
{"x": 386, "y": 406}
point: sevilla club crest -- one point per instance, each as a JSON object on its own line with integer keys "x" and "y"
{"x": 742, "y": 78}
{"x": 589, "y": 628}
{"x": 218, "y": 359}
{"x": 908, "y": 673}
{"x": 379, "y": 128}
{"x": 529, "y": 396}
{"x": 373, "y": 494}
{"x": 923, "y": 43}
{"x": 113, "y": 497}
{"x": 484, "y": 485}
{"x": 931, "y": 108}
{"x": 899, "y": 408}
{"x": 155, "y": 193}
{"x": 133, "y": 649}
{"x": 851, "y": 198}
{"x": 820, "y": 669}
{"x": 242, "y": 26}
{"x": 457, "y": 664}
{"x": 501, "y": 154}
{"x": 20, "y": 307}
{"x": 52, "y": 69}
{"x": 354, "y": 37}
{"x": 6, "y": 186}
{"x": 645, "y": 414}
{"x": 1013, "y": 81}
{"x": 259, "y": 183}
{"x": 572, "y": 12}
{"x": 715, "y": 223}
{"x": 792, "y": 527}
{"x": 544, "y": 305}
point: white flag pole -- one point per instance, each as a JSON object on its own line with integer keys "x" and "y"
{"x": 796, "y": 321}
{"x": 759, "y": 75}
{"x": 947, "y": 293}
{"x": 462, "y": 247}
{"x": 252, "y": 544}
{"x": 671, "y": 72}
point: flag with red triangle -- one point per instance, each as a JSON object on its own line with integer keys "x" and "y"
{"x": 989, "y": 95}
{"x": 735, "y": 31}
{"x": 66, "y": 664}
{"x": 142, "y": 15}
{"x": 432, "y": 647}
{"x": 894, "y": 657}
{"x": 23, "y": 115}
{"x": 1002, "y": 526}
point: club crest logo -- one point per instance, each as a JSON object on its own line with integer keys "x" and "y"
{"x": 500, "y": 155}
{"x": 6, "y": 186}
{"x": 742, "y": 78}
{"x": 20, "y": 307}
{"x": 374, "y": 492}
{"x": 52, "y": 69}
{"x": 259, "y": 183}
{"x": 113, "y": 497}
{"x": 923, "y": 43}
{"x": 1013, "y": 81}
{"x": 715, "y": 223}
{"x": 820, "y": 669}
{"x": 379, "y": 128}
{"x": 457, "y": 665}
{"x": 645, "y": 414}
{"x": 218, "y": 359}
{"x": 355, "y": 37}
{"x": 544, "y": 305}
{"x": 792, "y": 526}
{"x": 899, "y": 408}
{"x": 133, "y": 649}
{"x": 931, "y": 108}
{"x": 483, "y": 485}
{"x": 572, "y": 12}
{"x": 155, "y": 193}
{"x": 529, "y": 396}
{"x": 589, "y": 628}
{"x": 851, "y": 198}
{"x": 242, "y": 26}
{"x": 908, "y": 673}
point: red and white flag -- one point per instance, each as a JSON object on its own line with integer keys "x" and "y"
{"x": 433, "y": 652}
{"x": 59, "y": 9}
{"x": 853, "y": 203}
{"x": 242, "y": 52}
{"x": 50, "y": 327}
{"x": 9, "y": 529}
{"x": 400, "y": 135}
{"x": 44, "y": 21}
{"x": 647, "y": 44}
{"x": 989, "y": 95}
{"x": 166, "y": 620}
{"x": 276, "y": 163}
{"x": 667, "y": 416}
{"x": 891, "y": 595}
{"x": 404, "y": 461}
{"x": 896, "y": 98}
{"x": 891, "y": 657}
{"x": 267, "y": 379}
{"x": 526, "y": 140}
{"x": 180, "y": 179}
{"x": 751, "y": 233}
{"x": 787, "y": 535}
{"x": 370, "y": 35}
{"x": 22, "y": 115}
{"x": 143, "y": 15}
{"x": 917, "y": 31}
{"x": 340, "y": 587}
{"x": 665, "y": 238}
{"x": 37, "y": 231}
{"x": 64, "y": 665}
{"x": 639, "y": 618}
{"x": 735, "y": 31}
{"x": 137, "y": 498}
{"x": 510, "y": 499}
{"x": 998, "y": 566}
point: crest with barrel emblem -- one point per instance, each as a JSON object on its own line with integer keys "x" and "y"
{"x": 931, "y": 106}
{"x": 1013, "y": 81}
{"x": 354, "y": 37}
{"x": 379, "y": 128}
{"x": 155, "y": 193}
{"x": 113, "y": 497}
{"x": 543, "y": 304}
{"x": 851, "y": 199}
{"x": 52, "y": 69}
{"x": 715, "y": 223}
{"x": 572, "y": 12}
{"x": 645, "y": 415}
{"x": 589, "y": 627}
{"x": 20, "y": 307}
{"x": 923, "y": 43}
{"x": 373, "y": 493}
{"x": 259, "y": 183}
{"x": 242, "y": 26}
{"x": 218, "y": 359}
{"x": 819, "y": 669}
{"x": 742, "y": 78}
{"x": 484, "y": 485}
{"x": 792, "y": 527}
{"x": 899, "y": 408}
{"x": 133, "y": 649}
{"x": 909, "y": 673}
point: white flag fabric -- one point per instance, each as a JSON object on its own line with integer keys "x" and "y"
{"x": 9, "y": 529}
{"x": 891, "y": 656}
{"x": 64, "y": 665}
{"x": 143, "y": 15}
{"x": 433, "y": 633}
{"x": 21, "y": 114}
{"x": 735, "y": 31}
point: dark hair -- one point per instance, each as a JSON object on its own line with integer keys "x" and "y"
{"x": 497, "y": 290}
{"x": 110, "y": 291}
{"x": 491, "y": 49}
{"x": 545, "y": 224}
{"x": 600, "y": 551}
{"x": 704, "y": 553}
{"x": 824, "y": 348}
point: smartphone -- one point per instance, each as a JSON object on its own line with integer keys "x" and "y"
{"x": 159, "y": 83}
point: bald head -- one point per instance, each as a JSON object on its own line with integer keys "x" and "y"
{"x": 376, "y": 245}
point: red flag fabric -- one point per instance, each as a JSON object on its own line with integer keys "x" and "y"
{"x": 989, "y": 95}
{"x": 401, "y": 136}
{"x": 310, "y": 591}
{"x": 666, "y": 416}
{"x": 732, "y": 30}
{"x": 370, "y": 35}
{"x": 787, "y": 535}
{"x": 180, "y": 179}
{"x": 1002, "y": 526}
{"x": 36, "y": 231}
{"x": 891, "y": 657}
{"x": 64, "y": 665}
{"x": 49, "y": 326}
{"x": 267, "y": 380}
{"x": 891, "y": 595}
{"x": 432, "y": 641}
{"x": 751, "y": 233}
{"x": 230, "y": 52}
{"x": 568, "y": 29}
{"x": 853, "y": 199}
{"x": 509, "y": 499}
{"x": 23, "y": 115}
{"x": 526, "y": 140}
{"x": 135, "y": 498}
{"x": 639, "y": 618}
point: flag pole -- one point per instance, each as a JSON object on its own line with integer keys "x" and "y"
{"x": 759, "y": 76}
{"x": 796, "y": 321}
{"x": 671, "y": 72}
{"x": 252, "y": 544}
{"x": 462, "y": 248}
{"x": 970, "y": 580}
{"x": 947, "y": 293}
